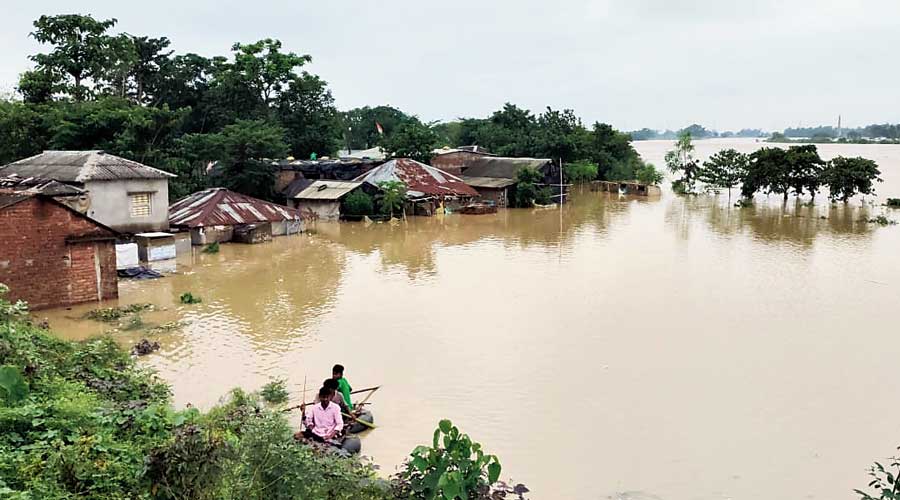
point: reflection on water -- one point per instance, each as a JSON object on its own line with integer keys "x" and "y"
{"x": 673, "y": 348}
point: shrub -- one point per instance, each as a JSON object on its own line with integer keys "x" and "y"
{"x": 884, "y": 481}
{"x": 648, "y": 174}
{"x": 893, "y": 202}
{"x": 189, "y": 298}
{"x": 581, "y": 171}
{"x": 358, "y": 203}
{"x": 453, "y": 467}
{"x": 211, "y": 248}
{"x": 274, "y": 392}
{"x": 528, "y": 189}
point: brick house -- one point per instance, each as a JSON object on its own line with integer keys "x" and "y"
{"x": 122, "y": 194}
{"x": 62, "y": 258}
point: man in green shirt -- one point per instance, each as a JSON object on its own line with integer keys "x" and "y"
{"x": 344, "y": 388}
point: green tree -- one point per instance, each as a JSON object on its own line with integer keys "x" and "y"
{"x": 529, "y": 189}
{"x": 681, "y": 161}
{"x": 306, "y": 110}
{"x": 150, "y": 59}
{"x": 358, "y": 202}
{"x": 359, "y": 125}
{"x": 39, "y": 86}
{"x": 845, "y": 177}
{"x": 264, "y": 69}
{"x": 246, "y": 145}
{"x": 612, "y": 151}
{"x": 580, "y": 171}
{"x": 393, "y": 197}
{"x": 560, "y": 135}
{"x": 81, "y": 48}
{"x": 648, "y": 174}
{"x": 510, "y": 131}
{"x": 767, "y": 171}
{"x": 411, "y": 140}
{"x": 724, "y": 170}
{"x": 804, "y": 169}
{"x": 23, "y": 131}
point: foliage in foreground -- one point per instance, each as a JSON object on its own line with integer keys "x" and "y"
{"x": 82, "y": 420}
{"x": 885, "y": 481}
{"x": 529, "y": 189}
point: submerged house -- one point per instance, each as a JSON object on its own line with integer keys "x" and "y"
{"x": 457, "y": 160}
{"x": 219, "y": 215}
{"x": 345, "y": 169}
{"x": 495, "y": 177}
{"x": 63, "y": 258}
{"x": 323, "y": 198}
{"x": 427, "y": 187}
{"x": 125, "y": 195}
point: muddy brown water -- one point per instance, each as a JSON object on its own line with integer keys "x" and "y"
{"x": 620, "y": 348}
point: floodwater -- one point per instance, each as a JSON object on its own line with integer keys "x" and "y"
{"x": 671, "y": 348}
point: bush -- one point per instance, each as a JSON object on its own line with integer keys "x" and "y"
{"x": 189, "y": 298}
{"x": 528, "y": 189}
{"x": 358, "y": 203}
{"x": 893, "y": 202}
{"x": 884, "y": 481}
{"x": 648, "y": 174}
{"x": 581, "y": 171}
{"x": 453, "y": 467}
{"x": 211, "y": 248}
{"x": 274, "y": 392}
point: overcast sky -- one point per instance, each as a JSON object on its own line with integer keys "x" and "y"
{"x": 632, "y": 63}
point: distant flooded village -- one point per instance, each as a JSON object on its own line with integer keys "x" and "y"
{"x": 216, "y": 282}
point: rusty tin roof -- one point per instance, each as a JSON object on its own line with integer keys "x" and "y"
{"x": 421, "y": 180}
{"x": 221, "y": 207}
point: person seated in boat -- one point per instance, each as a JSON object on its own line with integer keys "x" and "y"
{"x": 336, "y": 397}
{"x": 344, "y": 388}
{"x": 323, "y": 420}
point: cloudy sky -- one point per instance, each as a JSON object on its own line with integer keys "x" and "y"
{"x": 632, "y": 63}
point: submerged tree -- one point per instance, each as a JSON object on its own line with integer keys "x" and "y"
{"x": 846, "y": 177}
{"x": 724, "y": 170}
{"x": 393, "y": 197}
{"x": 766, "y": 172}
{"x": 681, "y": 161}
{"x": 804, "y": 169}
{"x": 648, "y": 174}
{"x": 529, "y": 188}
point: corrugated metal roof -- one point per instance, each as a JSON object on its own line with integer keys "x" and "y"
{"x": 221, "y": 207}
{"x": 327, "y": 190}
{"x": 499, "y": 166}
{"x": 81, "y": 166}
{"x": 9, "y": 197}
{"x": 488, "y": 182}
{"x": 47, "y": 187}
{"x": 420, "y": 179}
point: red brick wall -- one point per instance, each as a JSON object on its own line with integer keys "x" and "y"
{"x": 40, "y": 267}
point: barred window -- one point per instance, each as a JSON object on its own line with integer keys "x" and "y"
{"x": 140, "y": 204}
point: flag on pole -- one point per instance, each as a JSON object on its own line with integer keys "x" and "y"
{"x": 379, "y": 128}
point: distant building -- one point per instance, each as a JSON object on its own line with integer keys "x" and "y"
{"x": 345, "y": 169}
{"x": 427, "y": 187}
{"x": 495, "y": 177}
{"x": 53, "y": 255}
{"x": 218, "y": 215}
{"x": 323, "y": 198}
{"x": 456, "y": 160}
{"x": 124, "y": 195}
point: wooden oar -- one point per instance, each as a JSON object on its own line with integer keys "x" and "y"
{"x": 370, "y": 426}
{"x": 369, "y": 389}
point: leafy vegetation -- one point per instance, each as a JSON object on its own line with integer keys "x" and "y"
{"x": 393, "y": 197}
{"x": 681, "y": 161}
{"x": 275, "y": 392}
{"x": 114, "y": 314}
{"x": 580, "y": 171}
{"x": 893, "y": 202}
{"x": 189, "y": 298}
{"x": 885, "y": 481}
{"x": 845, "y": 177}
{"x": 724, "y": 170}
{"x": 529, "y": 189}
{"x": 211, "y": 248}
{"x": 453, "y": 467}
{"x": 358, "y": 203}
{"x": 82, "y": 420}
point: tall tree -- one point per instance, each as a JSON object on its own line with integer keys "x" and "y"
{"x": 681, "y": 161}
{"x": 846, "y": 177}
{"x": 804, "y": 169}
{"x": 306, "y": 110}
{"x": 81, "y": 48}
{"x": 245, "y": 146}
{"x": 724, "y": 170}
{"x": 412, "y": 140}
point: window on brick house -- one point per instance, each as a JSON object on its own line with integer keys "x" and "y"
{"x": 140, "y": 204}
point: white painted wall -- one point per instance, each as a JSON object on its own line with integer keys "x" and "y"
{"x": 110, "y": 204}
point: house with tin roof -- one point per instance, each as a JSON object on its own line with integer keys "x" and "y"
{"x": 427, "y": 188}
{"x": 122, "y": 194}
{"x": 322, "y": 198}
{"x": 219, "y": 215}
{"x": 495, "y": 177}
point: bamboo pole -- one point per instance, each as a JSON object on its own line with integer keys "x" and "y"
{"x": 370, "y": 426}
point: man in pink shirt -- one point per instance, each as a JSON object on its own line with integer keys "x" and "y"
{"x": 323, "y": 420}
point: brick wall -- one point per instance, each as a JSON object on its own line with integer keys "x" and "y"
{"x": 42, "y": 268}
